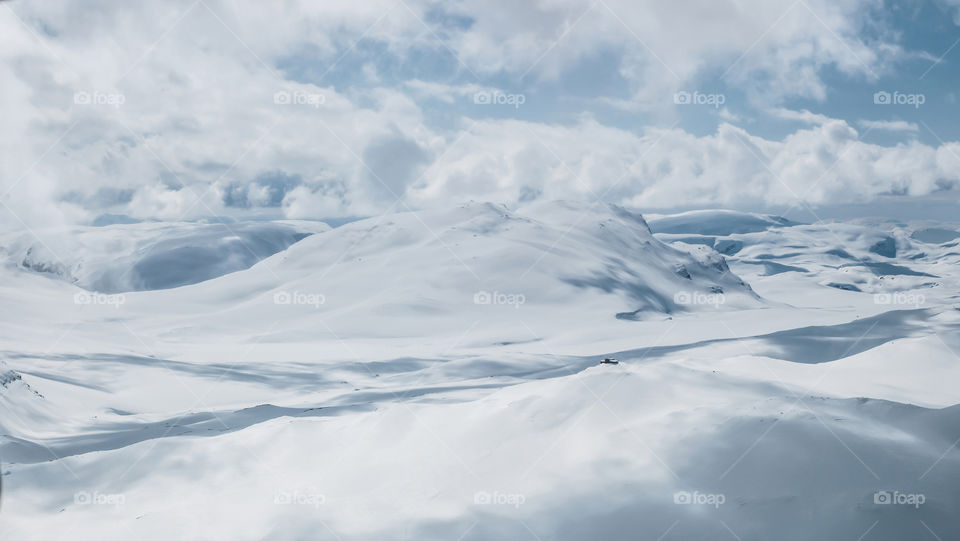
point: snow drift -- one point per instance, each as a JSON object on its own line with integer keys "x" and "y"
{"x": 145, "y": 256}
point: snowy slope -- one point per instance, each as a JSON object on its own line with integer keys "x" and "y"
{"x": 511, "y": 273}
{"x": 716, "y": 222}
{"x": 143, "y": 256}
{"x": 359, "y": 385}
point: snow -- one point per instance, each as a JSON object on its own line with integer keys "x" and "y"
{"x": 716, "y": 222}
{"x": 144, "y": 256}
{"x": 437, "y": 376}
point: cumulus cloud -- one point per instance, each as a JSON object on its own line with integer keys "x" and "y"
{"x": 826, "y": 162}
{"x": 184, "y": 109}
{"x": 265, "y": 190}
{"x": 169, "y": 103}
{"x": 774, "y": 48}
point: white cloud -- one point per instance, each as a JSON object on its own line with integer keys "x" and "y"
{"x": 955, "y": 6}
{"x": 196, "y": 109}
{"x": 448, "y": 93}
{"x": 803, "y": 115}
{"x": 773, "y": 48}
{"x": 506, "y": 161}
{"x": 728, "y": 115}
{"x": 889, "y": 125}
{"x": 182, "y": 107}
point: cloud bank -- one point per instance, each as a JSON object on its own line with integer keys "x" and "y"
{"x": 191, "y": 109}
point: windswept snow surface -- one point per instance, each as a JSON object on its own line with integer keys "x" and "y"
{"x": 436, "y": 376}
{"x": 135, "y": 257}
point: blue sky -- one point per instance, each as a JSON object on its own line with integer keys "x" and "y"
{"x": 200, "y": 108}
{"x": 926, "y": 31}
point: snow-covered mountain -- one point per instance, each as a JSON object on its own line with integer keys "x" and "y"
{"x": 143, "y": 256}
{"x": 569, "y": 265}
{"x": 479, "y": 262}
{"x": 436, "y": 375}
